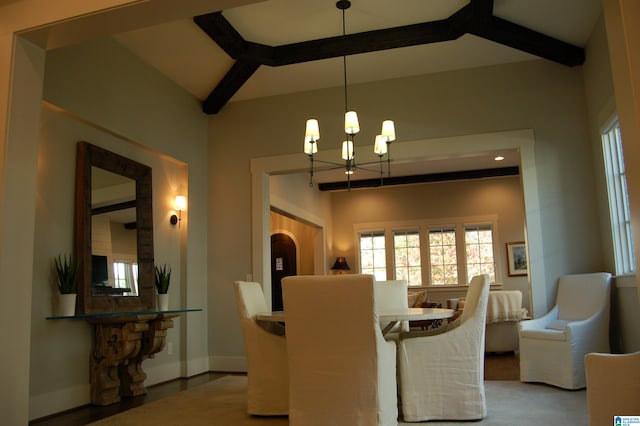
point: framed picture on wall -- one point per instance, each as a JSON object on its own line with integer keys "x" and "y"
{"x": 517, "y": 258}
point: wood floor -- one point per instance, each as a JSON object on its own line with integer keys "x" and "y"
{"x": 497, "y": 367}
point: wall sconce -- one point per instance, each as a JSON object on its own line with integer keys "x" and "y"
{"x": 340, "y": 266}
{"x": 179, "y": 205}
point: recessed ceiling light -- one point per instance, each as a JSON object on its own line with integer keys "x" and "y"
{"x": 499, "y": 158}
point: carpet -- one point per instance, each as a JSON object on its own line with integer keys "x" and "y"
{"x": 222, "y": 402}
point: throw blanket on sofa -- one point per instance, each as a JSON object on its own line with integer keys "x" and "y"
{"x": 504, "y": 305}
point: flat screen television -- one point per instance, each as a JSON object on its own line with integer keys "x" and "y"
{"x": 99, "y": 270}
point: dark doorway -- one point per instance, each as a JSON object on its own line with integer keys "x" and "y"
{"x": 283, "y": 264}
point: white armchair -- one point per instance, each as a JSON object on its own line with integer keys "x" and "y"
{"x": 341, "y": 370}
{"x": 267, "y": 371}
{"x": 552, "y": 347}
{"x": 613, "y": 386}
{"x": 442, "y": 375}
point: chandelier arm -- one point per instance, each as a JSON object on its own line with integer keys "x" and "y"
{"x": 337, "y": 165}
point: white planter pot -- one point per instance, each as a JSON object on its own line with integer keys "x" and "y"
{"x": 67, "y": 305}
{"x": 163, "y": 302}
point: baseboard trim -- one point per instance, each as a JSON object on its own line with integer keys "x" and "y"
{"x": 229, "y": 364}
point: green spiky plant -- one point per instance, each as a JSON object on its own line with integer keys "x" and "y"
{"x": 67, "y": 274}
{"x": 163, "y": 278}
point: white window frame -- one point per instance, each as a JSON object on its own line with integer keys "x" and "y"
{"x": 619, "y": 214}
{"x": 373, "y": 230}
{"x": 423, "y": 226}
{"x": 412, "y": 230}
{"x": 429, "y": 228}
{"x": 493, "y": 244}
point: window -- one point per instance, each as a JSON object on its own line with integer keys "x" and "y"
{"x": 442, "y": 256}
{"x": 126, "y": 276}
{"x": 478, "y": 241}
{"x": 429, "y": 252}
{"x": 406, "y": 247}
{"x": 373, "y": 254}
{"x": 618, "y": 199}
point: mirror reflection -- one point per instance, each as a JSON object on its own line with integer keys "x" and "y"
{"x": 114, "y": 259}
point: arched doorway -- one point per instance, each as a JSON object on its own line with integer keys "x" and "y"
{"x": 283, "y": 264}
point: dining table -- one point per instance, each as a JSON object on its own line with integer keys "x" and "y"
{"x": 388, "y": 317}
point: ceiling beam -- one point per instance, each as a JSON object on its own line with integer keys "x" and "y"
{"x": 475, "y": 18}
{"x": 425, "y": 178}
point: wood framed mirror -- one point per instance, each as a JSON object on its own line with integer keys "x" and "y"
{"x": 114, "y": 232}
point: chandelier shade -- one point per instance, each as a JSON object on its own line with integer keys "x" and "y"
{"x": 351, "y": 128}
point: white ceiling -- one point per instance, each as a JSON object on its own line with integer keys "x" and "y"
{"x": 185, "y": 54}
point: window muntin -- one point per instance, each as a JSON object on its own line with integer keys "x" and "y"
{"x": 373, "y": 254}
{"x": 618, "y": 199}
{"x": 478, "y": 242}
{"x": 406, "y": 247}
{"x": 443, "y": 256}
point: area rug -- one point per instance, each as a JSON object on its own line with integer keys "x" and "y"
{"x": 222, "y": 402}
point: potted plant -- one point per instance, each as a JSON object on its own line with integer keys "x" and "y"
{"x": 163, "y": 279}
{"x": 67, "y": 280}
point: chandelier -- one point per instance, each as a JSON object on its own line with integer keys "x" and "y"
{"x": 351, "y": 128}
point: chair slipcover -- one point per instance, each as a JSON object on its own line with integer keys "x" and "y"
{"x": 442, "y": 375}
{"x": 341, "y": 370}
{"x": 613, "y": 386}
{"x": 392, "y": 295}
{"x": 267, "y": 371}
{"x": 552, "y": 347}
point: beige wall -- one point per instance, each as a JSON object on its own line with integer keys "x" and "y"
{"x": 501, "y": 198}
{"x": 91, "y": 105}
{"x": 602, "y": 104}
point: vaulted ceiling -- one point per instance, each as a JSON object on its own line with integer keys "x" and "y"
{"x": 284, "y": 46}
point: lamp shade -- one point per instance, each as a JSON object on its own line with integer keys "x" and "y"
{"x": 312, "y": 131}
{"x": 340, "y": 264}
{"x": 351, "y": 125}
{"x": 380, "y": 147}
{"x": 180, "y": 203}
{"x": 347, "y": 150}
{"x": 388, "y": 130}
{"x": 310, "y": 147}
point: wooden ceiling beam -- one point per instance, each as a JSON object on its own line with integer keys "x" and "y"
{"x": 521, "y": 38}
{"x": 229, "y": 85}
{"x": 475, "y": 18}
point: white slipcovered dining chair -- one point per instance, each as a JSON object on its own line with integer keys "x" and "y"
{"x": 266, "y": 350}
{"x": 392, "y": 295}
{"x": 442, "y": 375}
{"x": 341, "y": 369}
{"x": 552, "y": 347}
{"x": 613, "y": 386}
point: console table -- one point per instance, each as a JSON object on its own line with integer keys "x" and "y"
{"x": 123, "y": 340}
